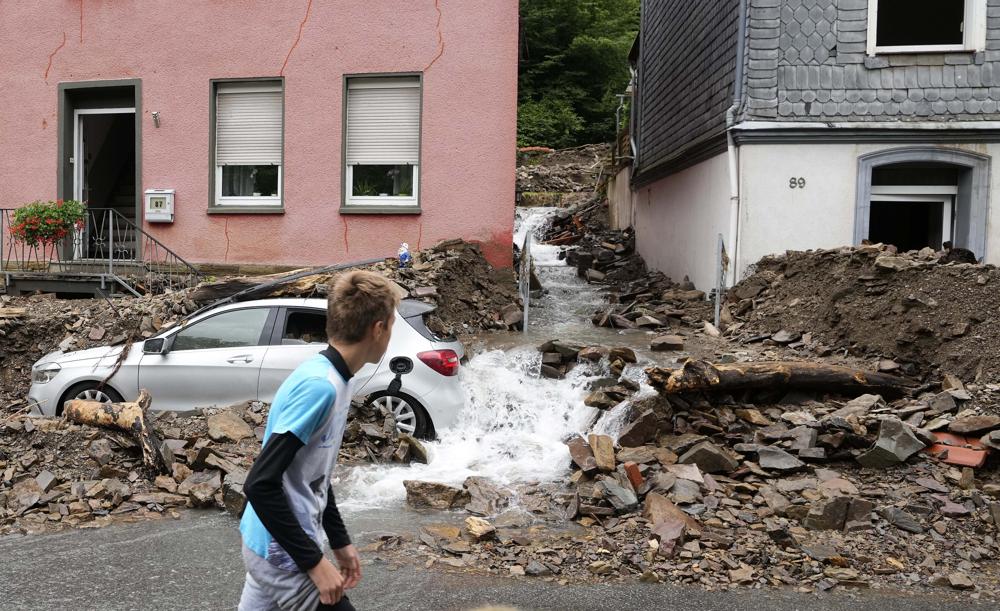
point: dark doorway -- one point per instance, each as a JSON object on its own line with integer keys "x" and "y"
{"x": 907, "y": 225}
{"x": 109, "y": 162}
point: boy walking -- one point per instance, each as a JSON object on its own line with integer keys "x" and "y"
{"x": 290, "y": 503}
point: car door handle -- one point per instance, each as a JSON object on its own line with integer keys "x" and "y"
{"x": 243, "y": 358}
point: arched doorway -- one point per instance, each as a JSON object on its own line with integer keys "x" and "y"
{"x": 923, "y": 196}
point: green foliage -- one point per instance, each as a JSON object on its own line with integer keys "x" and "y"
{"x": 574, "y": 60}
{"x": 45, "y": 223}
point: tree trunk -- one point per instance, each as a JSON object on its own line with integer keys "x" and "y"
{"x": 697, "y": 376}
{"x": 128, "y": 417}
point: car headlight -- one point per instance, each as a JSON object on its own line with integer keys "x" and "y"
{"x": 45, "y": 372}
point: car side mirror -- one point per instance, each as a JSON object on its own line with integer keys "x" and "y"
{"x": 400, "y": 366}
{"x": 157, "y": 345}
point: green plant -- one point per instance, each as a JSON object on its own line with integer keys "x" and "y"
{"x": 45, "y": 223}
{"x": 364, "y": 186}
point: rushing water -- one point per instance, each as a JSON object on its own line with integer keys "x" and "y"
{"x": 514, "y": 422}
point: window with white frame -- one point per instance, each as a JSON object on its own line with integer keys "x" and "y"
{"x": 248, "y": 143}
{"x": 923, "y": 26}
{"x": 382, "y": 141}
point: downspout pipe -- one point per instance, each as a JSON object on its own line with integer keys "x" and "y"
{"x": 733, "y": 153}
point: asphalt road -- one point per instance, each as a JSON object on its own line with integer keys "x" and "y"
{"x": 194, "y": 563}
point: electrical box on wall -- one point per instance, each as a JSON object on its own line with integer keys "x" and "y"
{"x": 160, "y": 205}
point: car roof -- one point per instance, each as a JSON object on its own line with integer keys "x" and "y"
{"x": 275, "y": 301}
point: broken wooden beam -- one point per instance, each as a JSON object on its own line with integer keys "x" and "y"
{"x": 131, "y": 418}
{"x": 697, "y": 376}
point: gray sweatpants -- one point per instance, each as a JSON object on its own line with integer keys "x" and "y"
{"x": 268, "y": 588}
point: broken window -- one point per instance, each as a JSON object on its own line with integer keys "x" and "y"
{"x": 920, "y": 23}
{"x": 248, "y": 143}
{"x": 912, "y": 205}
{"x": 382, "y": 141}
{"x": 304, "y": 328}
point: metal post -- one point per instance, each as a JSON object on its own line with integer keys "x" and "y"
{"x": 719, "y": 278}
{"x": 525, "y": 279}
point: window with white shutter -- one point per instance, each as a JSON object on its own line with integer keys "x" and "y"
{"x": 248, "y": 143}
{"x": 382, "y": 141}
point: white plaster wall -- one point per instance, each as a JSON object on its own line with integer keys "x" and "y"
{"x": 678, "y": 219}
{"x": 775, "y": 218}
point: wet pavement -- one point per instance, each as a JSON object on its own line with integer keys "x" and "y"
{"x": 194, "y": 563}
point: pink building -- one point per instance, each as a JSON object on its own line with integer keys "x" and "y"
{"x": 283, "y": 133}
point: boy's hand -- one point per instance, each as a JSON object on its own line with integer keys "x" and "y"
{"x": 350, "y": 565}
{"x": 328, "y": 581}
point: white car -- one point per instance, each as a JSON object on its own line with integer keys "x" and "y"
{"x": 244, "y": 351}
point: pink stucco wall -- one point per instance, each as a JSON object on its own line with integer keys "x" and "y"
{"x": 466, "y": 50}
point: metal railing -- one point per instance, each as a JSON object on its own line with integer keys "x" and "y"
{"x": 524, "y": 279}
{"x": 109, "y": 246}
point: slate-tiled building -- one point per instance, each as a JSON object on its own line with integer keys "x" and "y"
{"x": 796, "y": 124}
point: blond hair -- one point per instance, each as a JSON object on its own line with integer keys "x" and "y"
{"x": 357, "y": 301}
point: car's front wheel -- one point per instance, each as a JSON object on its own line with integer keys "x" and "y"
{"x": 411, "y": 417}
{"x": 89, "y": 391}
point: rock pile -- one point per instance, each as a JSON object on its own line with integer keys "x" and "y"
{"x": 560, "y": 178}
{"x": 918, "y": 312}
{"x": 57, "y": 475}
{"x": 764, "y": 489}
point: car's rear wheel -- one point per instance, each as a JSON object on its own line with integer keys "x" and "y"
{"x": 89, "y": 391}
{"x": 411, "y": 417}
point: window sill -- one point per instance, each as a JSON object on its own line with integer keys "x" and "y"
{"x": 920, "y": 50}
{"x": 246, "y": 210}
{"x": 376, "y": 209}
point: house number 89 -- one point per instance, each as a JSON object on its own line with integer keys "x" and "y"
{"x": 797, "y": 183}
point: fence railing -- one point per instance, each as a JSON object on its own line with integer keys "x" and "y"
{"x": 109, "y": 246}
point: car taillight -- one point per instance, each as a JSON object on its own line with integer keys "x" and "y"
{"x": 444, "y": 362}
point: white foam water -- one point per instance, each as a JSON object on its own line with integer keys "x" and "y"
{"x": 511, "y": 430}
{"x": 514, "y": 423}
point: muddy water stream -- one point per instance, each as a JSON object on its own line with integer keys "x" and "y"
{"x": 514, "y": 422}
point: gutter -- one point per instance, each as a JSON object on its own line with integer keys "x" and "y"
{"x": 733, "y": 153}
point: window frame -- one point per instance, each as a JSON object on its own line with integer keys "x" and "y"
{"x": 268, "y": 328}
{"x": 973, "y": 33}
{"x": 362, "y": 204}
{"x": 217, "y": 204}
{"x": 281, "y": 322}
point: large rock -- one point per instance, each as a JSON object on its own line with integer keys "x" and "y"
{"x": 667, "y": 343}
{"x": 227, "y": 426}
{"x": 601, "y": 400}
{"x": 710, "y": 458}
{"x": 582, "y": 455}
{"x": 486, "y": 497}
{"x": 896, "y": 443}
{"x": 640, "y": 430}
{"x": 604, "y": 452}
{"x": 434, "y": 495}
{"x": 830, "y": 514}
{"x": 100, "y": 451}
{"x": 621, "y": 498}
{"x": 858, "y": 407}
{"x": 901, "y": 519}
{"x": 974, "y": 425}
{"x": 658, "y": 508}
{"x": 479, "y": 529}
{"x": 233, "y": 497}
{"x": 776, "y": 459}
{"x": 622, "y": 353}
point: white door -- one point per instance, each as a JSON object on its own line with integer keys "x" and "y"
{"x": 299, "y": 335}
{"x": 213, "y": 362}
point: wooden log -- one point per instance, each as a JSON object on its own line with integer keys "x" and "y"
{"x": 697, "y": 376}
{"x": 128, "y": 417}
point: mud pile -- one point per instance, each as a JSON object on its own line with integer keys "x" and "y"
{"x": 560, "y": 178}
{"x": 913, "y": 311}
